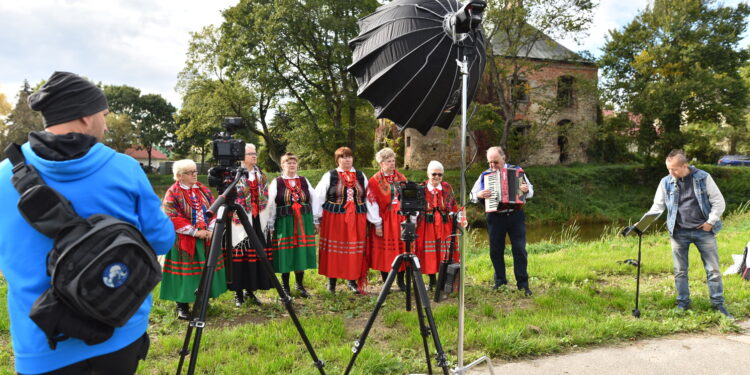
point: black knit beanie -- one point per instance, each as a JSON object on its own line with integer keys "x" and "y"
{"x": 66, "y": 97}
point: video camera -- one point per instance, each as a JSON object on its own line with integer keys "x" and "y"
{"x": 228, "y": 152}
{"x": 412, "y": 196}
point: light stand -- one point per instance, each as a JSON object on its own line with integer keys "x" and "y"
{"x": 462, "y": 15}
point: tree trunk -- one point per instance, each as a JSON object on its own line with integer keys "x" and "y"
{"x": 352, "y": 136}
{"x": 148, "y": 151}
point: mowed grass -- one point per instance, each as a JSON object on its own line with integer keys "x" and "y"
{"x": 583, "y": 296}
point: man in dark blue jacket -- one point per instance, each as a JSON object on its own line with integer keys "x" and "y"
{"x": 694, "y": 207}
{"x": 96, "y": 180}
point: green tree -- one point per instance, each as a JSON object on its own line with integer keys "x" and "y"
{"x": 121, "y": 133}
{"x": 678, "y": 63}
{"x": 151, "y": 115}
{"x": 214, "y": 85}
{"x": 513, "y": 28}
{"x": 22, "y": 119}
{"x": 153, "y": 120}
{"x": 5, "y": 109}
{"x": 302, "y": 46}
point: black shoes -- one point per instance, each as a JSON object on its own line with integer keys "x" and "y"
{"x": 724, "y": 312}
{"x": 433, "y": 281}
{"x": 302, "y": 292}
{"x": 183, "y": 311}
{"x": 252, "y": 298}
{"x": 400, "y": 281}
{"x": 332, "y": 285}
{"x": 683, "y": 306}
{"x": 526, "y": 291}
{"x": 352, "y": 285}
{"x": 498, "y": 286}
{"x": 239, "y": 299}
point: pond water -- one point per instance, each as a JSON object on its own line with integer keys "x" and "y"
{"x": 555, "y": 232}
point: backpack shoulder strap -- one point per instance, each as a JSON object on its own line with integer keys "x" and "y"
{"x": 43, "y": 207}
{"x": 25, "y": 176}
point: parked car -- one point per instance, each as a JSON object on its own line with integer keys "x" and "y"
{"x": 739, "y": 160}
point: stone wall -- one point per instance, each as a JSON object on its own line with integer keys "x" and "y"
{"x": 439, "y": 144}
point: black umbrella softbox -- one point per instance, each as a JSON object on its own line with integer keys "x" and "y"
{"x": 404, "y": 61}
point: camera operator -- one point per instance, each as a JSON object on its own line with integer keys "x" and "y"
{"x": 96, "y": 180}
{"x": 383, "y": 205}
{"x": 509, "y": 221}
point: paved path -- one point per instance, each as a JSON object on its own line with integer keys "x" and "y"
{"x": 680, "y": 354}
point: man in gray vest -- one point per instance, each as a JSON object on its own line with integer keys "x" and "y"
{"x": 694, "y": 206}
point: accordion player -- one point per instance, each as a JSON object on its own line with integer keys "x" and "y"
{"x": 505, "y": 185}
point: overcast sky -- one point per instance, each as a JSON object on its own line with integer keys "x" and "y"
{"x": 142, "y": 43}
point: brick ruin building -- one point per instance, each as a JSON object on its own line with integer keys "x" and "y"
{"x": 560, "y": 74}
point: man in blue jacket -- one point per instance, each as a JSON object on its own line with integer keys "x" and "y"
{"x": 694, "y": 207}
{"x": 96, "y": 180}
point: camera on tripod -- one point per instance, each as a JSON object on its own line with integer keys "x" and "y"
{"x": 228, "y": 152}
{"x": 412, "y": 196}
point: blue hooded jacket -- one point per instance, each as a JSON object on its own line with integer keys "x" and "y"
{"x": 100, "y": 182}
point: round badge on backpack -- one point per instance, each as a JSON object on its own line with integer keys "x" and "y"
{"x": 115, "y": 275}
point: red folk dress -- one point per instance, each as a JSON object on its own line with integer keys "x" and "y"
{"x": 343, "y": 225}
{"x": 434, "y": 227}
{"x": 384, "y": 204}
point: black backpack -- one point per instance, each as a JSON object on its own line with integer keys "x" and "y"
{"x": 101, "y": 268}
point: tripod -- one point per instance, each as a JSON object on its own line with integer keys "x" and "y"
{"x": 223, "y": 207}
{"x": 413, "y": 276}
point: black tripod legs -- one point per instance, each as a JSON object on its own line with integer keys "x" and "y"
{"x": 425, "y": 311}
{"x": 423, "y": 307}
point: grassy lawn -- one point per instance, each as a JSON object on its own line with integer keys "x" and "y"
{"x": 582, "y": 297}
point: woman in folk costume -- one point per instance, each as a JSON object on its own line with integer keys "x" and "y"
{"x": 291, "y": 201}
{"x": 343, "y": 226}
{"x": 246, "y": 272}
{"x": 186, "y": 203}
{"x": 383, "y": 204}
{"x": 434, "y": 226}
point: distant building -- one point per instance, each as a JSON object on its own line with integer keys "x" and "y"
{"x": 562, "y": 73}
{"x": 157, "y": 157}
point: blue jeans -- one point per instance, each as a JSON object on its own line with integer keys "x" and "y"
{"x": 706, "y": 244}
{"x": 513, "y": 225}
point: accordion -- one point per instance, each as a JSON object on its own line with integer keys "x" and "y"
{"x": 505, "y": 184}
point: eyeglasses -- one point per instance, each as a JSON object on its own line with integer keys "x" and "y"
{"x": 251, "y": 154}
{"x": 493, "y": 161}
{"x": 437, "y": 175}
{"x": 194, "y": 173}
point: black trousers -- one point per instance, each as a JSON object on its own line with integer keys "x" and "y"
{"x": 121, "y": 362}
{"x": 514, "y": 225}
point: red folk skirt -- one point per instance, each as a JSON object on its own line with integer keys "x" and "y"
{"x": 342, "y": 245}
{"x": 384, "y": 249}
{"x": 432, "y": 243}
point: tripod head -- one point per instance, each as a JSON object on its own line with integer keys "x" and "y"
{"x": 229, "y": 194}
{"x": 408, "y": 232}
